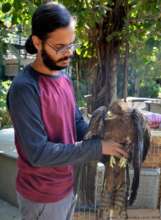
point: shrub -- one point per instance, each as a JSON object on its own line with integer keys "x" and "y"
{"x": 4, "y": 115}
{"x": 149, "y": 88}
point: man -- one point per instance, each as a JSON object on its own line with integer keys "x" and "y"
{"x": 47, "y": 122}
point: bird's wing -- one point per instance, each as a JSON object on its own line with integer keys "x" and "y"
{"x": 96, "y": 124}
{"x": 147, "y": 141}
{"x": 138, "y": 150}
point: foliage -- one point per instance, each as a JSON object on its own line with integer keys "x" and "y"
{"x": 4, "y": 116}
{"x": 143, "y": 24}
{"x": 145, "y": 46}
{"x": 142, "y": 31}
{"x": 149, "y": 88}
{"x": 15, "y": 12}
{"x": 80, "y": 92}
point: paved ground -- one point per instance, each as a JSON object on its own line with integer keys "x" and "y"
{"x": 8, "y": 212}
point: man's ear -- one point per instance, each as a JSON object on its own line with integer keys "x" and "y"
{"x": 37, "y": 42}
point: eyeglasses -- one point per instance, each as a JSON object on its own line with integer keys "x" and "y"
{"x": 64, "y": 49}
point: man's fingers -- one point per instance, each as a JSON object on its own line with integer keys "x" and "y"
{"x": 113, "y": 148}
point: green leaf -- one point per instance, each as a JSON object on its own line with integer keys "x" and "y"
{"x": 6, "y": 7}
{"x": 78, "y": 51}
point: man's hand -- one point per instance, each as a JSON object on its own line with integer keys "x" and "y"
{"x": 114, "y": 149}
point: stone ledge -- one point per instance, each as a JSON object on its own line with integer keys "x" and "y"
{"x": 7, "y": 146}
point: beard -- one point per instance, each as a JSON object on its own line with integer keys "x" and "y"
{"x": 50, "y": 63}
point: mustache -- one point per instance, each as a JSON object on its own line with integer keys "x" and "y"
{"x": 65, "y": 58}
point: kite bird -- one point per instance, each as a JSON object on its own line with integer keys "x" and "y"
{"x": 128, "y": 127}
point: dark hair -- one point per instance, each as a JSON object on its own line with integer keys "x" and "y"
{"x": 47, "y": 18}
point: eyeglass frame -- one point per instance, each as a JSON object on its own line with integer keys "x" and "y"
{"x": 63, "y": 49}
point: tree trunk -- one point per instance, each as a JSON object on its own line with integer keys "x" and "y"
{"x": 107, "y": 45}
{"x": 105, "y": 89}
{"x": 126, "y": 71}
{"x": 137, "y": 87}
{"x": 105, "y": 86}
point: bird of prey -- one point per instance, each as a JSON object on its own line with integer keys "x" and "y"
{"x": 128, "y": 127}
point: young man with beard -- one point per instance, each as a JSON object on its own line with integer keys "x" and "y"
{"x": 47, "y": 122}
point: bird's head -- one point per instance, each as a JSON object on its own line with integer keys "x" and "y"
{"x": 119, "y": 108}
